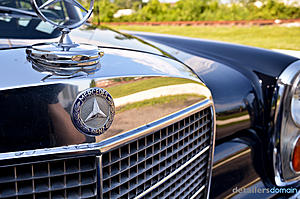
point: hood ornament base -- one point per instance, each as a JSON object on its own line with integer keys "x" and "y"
{"x": 65, "y": 42}
{"x": 53, "y": 59}
{"x": 65, "y": 57}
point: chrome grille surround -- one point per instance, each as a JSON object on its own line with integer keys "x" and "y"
{"x": 58, "y": 177}
{"x": 170, "y": 160}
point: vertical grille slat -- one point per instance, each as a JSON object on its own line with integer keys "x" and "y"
{"x": 53, "y": 178}
{"x": 148, "y": 167}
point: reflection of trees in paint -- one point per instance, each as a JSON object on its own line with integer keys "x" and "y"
{"x": 93, "y": 84}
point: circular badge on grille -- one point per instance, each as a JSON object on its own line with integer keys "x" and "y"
{"x": 93, "y": 111}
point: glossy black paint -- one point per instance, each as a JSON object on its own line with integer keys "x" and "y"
{"x": 242, "y": 58}
{"x": 242, "y": 81}
{"x": 36, "y": 29}
{"x": 255, "y": 67}
{"x": 232, "y": 168}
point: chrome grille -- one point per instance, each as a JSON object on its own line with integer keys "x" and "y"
{"x": 74, "y": 177}
{"x": 169, "y": 163}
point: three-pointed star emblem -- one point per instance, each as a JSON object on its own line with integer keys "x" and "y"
{"x": 96, "y": 112}
{"x": 73, "y": 2}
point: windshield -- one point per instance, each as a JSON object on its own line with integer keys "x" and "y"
{"x": 19, "y": 21}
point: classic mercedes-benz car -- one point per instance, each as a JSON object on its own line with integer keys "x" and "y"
{"x": 94, "y": 113}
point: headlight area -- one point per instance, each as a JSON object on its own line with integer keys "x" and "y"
{"x": 286, "y": 137}
{"x": 295, "y": 105}
{"x": 295, "y": 113}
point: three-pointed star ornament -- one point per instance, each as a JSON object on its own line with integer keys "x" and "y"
{"x": 96, "y": 112}
{"x": 72, "y": 2}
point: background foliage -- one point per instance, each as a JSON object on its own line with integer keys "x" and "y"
{"x": 193, "y": 10}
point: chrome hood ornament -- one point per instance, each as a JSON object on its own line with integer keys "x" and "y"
{"x": 64, "y": 57}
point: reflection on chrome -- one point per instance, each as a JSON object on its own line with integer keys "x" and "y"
{"x": 140, "y": 100}
{"x": 182, "y": 89}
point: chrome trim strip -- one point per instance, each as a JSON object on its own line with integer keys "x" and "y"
{"x": 172, "y": 174}
{"x": 114, "y": 141}
{"x": 210, "y": 164}
{"x": 100, "y": 179}
{"x": 153, "y": 126}
{"x": 50, "y": 151}
{"x": 197, "y": 193}
{"x": 288, "y": 75}
{"x": 283, "y": 173}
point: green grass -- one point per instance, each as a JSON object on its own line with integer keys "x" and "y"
{"x": 271, "y": 37}
{"x": 143, "y": 84}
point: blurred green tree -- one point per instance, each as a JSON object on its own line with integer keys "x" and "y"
{"x": 104, "y": 11}
{"x": 194, "y": 10}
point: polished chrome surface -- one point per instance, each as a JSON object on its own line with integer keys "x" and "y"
{"x": 55, "y": 61}
{"x": 113, "y": 138}
{"x": 286, "y": 132}
{"x": 295, "y": 103}
{"x": 96, "y": 112}
{"x": 115, "y": 63}
{"x": 196, "y": 195}
{"x": 212, "y": 152}
{"x": 149, "y": 88}
{"x": 60, "y": 177}
{"x": 149, "y": 92}
{"x": 125, "y": 137}
{"x": 86, "y": 114}
{"x": 137, "y": 164}
{"x": 39, "y": 7}
{"x": 100, "y": 177}
{"x": 145, "y": 104}
{"x": 64, "y": 57}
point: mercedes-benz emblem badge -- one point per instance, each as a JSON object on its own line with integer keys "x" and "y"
{"x": 38, "y": 8}
{"x": 93, "y": 111}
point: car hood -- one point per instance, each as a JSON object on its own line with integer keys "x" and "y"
{"x": 27, "y": 96}
{"x": 16, "y": 70}
{"x": 102, "y": 37}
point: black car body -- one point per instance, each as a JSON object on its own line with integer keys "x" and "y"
{"x": 194, "y": 118}
{"x": 246, "y": 85}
